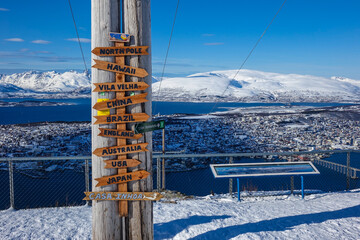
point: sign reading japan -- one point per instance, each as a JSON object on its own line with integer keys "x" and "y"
{"x": 113, "y": 67}
{"x": 262, "y": 169}
{"x": 122, "y": 178}
{"x": 120, "y": 51}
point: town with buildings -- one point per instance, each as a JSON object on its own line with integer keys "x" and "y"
{"x": 249, "y": 132}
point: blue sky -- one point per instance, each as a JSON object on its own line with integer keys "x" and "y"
{"x": 307, "y": 37}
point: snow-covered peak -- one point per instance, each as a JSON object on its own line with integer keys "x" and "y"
{"x": 256, "y": 85}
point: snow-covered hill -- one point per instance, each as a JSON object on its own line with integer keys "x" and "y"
{"x": 35, "y": 83}
{"x": 249, "y": 85}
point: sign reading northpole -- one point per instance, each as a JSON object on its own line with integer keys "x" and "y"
{"x": 149, "y": 126}
{"x": 120, "y": 51}
{"x": 117, "y": 68}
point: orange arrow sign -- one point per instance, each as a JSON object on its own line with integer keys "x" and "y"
{"x": 120, "y": 51}
{"x": 120, "y": 87}
{"x": 121, "y": 102}
{"x": 122, "y": 178}
{"x": 122, "y": 118}
{"x": 105, "y": 132}
{"x": 120, "y": 150}
{"x": 123, "y": 196}
{"x": 121, "y": 163}
{"x": 113, "y": 67}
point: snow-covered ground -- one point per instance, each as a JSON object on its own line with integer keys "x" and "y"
{"x": 318, "y": 216}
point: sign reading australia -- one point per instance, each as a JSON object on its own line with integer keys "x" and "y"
{"x": 262, "y": 169}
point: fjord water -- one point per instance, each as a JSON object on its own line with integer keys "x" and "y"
{"x": 80, "y": 109}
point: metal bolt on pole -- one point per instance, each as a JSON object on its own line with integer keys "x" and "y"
{"x": 11, "y": 183}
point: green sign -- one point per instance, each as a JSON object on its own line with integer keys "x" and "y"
{"x": 149, "y": 126}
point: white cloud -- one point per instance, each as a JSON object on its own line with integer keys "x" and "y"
{"x": 41, "y": 41}
{"x": 83, "y": 40}
{"x": 4, "y": 10}
{"x": 214, "y": 43}
{"x": 14, "y": 40}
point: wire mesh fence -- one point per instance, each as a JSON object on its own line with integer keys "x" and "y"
{"x": 52, "y": 182}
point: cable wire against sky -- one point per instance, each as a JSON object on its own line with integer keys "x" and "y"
{"x": 77, "y": 34}
{"x": 167, "y": 52}
{"x": 248, "y": 56}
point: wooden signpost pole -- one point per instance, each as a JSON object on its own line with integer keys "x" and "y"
{"x": 120, "y": 78}
{"x": 106, "y": 223}
{"x": 137, "y": 22}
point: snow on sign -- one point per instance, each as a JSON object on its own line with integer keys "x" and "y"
{"x": 120, "y": 51}
{"x": 127, "y": 196}
{"x": 262, "y": 169}
{"x": 118, "y": 68}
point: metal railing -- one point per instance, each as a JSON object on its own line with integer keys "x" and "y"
{"x": 19, "y": 184}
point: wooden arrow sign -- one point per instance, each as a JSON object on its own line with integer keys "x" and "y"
{"x": 121, "y": 118}
{"x": 122, "y": 178}
{"x": 124, "y": 163}
{"x": 121, "y": 102}
{"x": 120, "y": 51}
{"x": 113, "y": 67}
{"x": 105, "y": 132}
{"x": 120, "y": 87}
{"x": 123, "y": 196}
{"x": 120, "y": 150}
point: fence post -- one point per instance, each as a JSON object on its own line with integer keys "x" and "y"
{"x": 11, "y": 185}
{"x": 87, "y": 184}
{"x": 158, "y": 169}
{"x": 230, "y": 180}
{"x": 348, "y": 171}
{"x": 292, "y": 185}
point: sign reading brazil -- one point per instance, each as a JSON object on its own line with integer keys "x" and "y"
{"x": 106, "y": 132}
{"x": 120, "y": 51}
{"x": 121, "y": 102}
{"x": 122, "y": 178}
{"x": 113, "y": 67}
{"x": 121, "y": 118}
{"x": 124, "y": 196}
{"x": 120, "y": 150}
{"x": 121, "y": 163}
{"x": 120, "y": 87}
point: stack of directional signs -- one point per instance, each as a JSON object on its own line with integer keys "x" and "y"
{"x": 121, "y": 118}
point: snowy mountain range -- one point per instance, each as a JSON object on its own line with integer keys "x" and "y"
{"x": 245, "y": 85}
